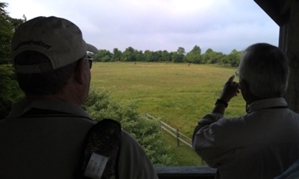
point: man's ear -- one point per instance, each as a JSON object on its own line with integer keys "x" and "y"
{"x": 79, "y": 72}
{"x": 244, "y": 86}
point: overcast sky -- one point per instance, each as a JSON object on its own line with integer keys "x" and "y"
{"x": 222, "y": 25}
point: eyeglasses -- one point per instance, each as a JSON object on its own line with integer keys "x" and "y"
{"x": 89, "y": 59}
{"x": 237, "y": 74}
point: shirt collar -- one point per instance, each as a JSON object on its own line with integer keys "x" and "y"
{"x": 62, "y": 106}
{"x": 267, "y": 103}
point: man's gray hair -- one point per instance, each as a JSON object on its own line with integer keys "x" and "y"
{"x": 265, "y": 67}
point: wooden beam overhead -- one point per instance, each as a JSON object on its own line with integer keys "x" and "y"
{"x": 274, "y": 8}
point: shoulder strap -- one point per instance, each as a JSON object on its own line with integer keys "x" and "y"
{"x": 100, "y": 152}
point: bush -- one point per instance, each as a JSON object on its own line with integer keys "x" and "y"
{"x": 9, "y": 89}
{"x": 147, "y": 132}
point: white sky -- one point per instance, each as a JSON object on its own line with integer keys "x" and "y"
{"x": 222, "y": 25}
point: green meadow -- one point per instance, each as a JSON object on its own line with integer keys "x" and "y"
{"x": 178, "y": 94}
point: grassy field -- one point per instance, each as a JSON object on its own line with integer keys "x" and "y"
{"x": 178, "y": 94}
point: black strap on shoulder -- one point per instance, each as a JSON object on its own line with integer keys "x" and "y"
{"x": 104, "y": 139}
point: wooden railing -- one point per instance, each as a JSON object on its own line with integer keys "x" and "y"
{"x": 185, "y": 172}
{"x": 181, "y": 172}
{"x": 180, "y": 137}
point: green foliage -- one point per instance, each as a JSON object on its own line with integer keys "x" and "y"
{"x": 6, "y": 32}
{"x": 138, "y": 55}
{"x": 150, "y": 56}
{"x": 129, "y": 55}
{"x": 9, "y": 89}
{"x": 165, "y": 56}
{"x": 103, "y": 56}
{"x": 116, "y": 55}
{"x": 181, "y": 50}
{"x": 7, "y": 28}
{"x": 194, "y": 56}
{"x": 177, "y": 57}
{"x": 233, "y": 58}
{"x": 147, "y": 132}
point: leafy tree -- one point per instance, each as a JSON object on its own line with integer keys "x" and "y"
{"x": 151, "y": 56}
{"x": 196, "y": 50}
{"x": 177, "y": 57}
{"x": 147, "y": 56}
{"x": 233, "y": 58}
{"x": 9, "y": 90}
{"x": 166, "y": 56}
{"x": 6, "y": 31}
{"x": 7, "y": 28}
{"x": 116, "y": 55}
{"x": 129, "y": 54}
{"x": 217, "y": 58}
{"x": 181, "y": 51}
{"x": 194, "y": 56}
{"x": 103, "y": 56}
{"x": 159, "y": 54}
{"x": 147, "y": 132}
{"x": 139, "y": 55}
{"x": 212, "y": 57}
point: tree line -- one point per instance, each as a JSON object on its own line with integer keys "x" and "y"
{"x": 180, "y": 56}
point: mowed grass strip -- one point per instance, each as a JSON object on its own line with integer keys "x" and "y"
{"x": 178, "y": 94}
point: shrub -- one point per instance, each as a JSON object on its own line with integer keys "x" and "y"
{"x": 147, "y": 132}
{"x": 9, "y": 89}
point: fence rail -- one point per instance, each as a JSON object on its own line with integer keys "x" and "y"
{"x": 173, "y": 132}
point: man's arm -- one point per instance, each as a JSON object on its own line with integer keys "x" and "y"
{"x": 230, "y": 90}
{"x": 203, "y": 135}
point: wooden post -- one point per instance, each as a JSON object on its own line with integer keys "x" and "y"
{"x": 289, "y": 43}
{"x": 178, "y": 137}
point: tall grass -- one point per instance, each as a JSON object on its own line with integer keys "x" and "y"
{"x": 178, "y": 94}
